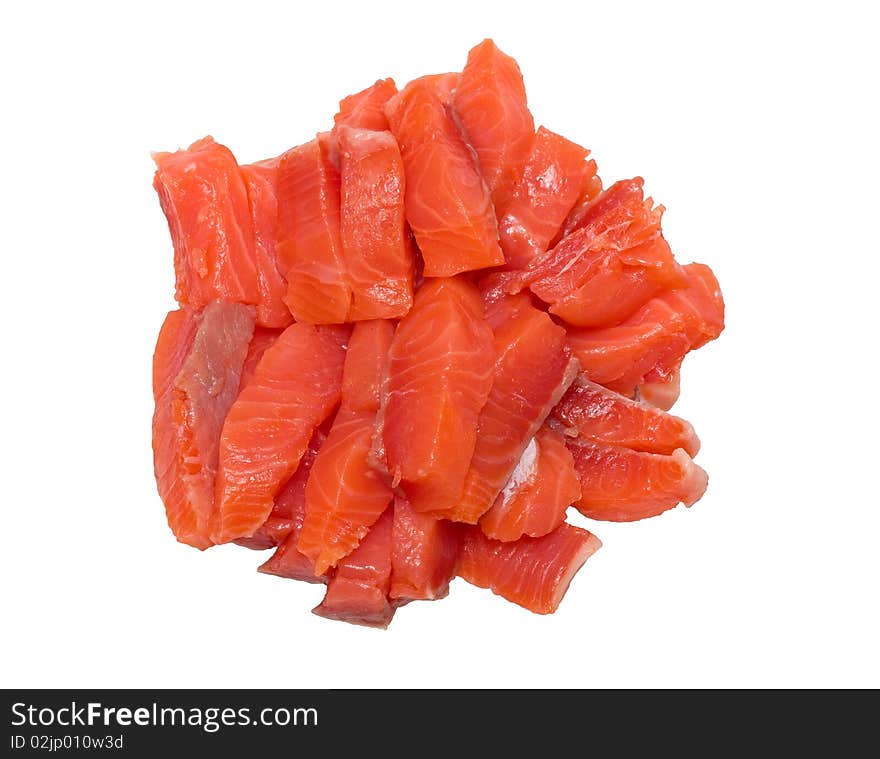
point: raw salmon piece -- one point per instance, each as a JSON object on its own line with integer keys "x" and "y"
{"x": 344, "y": 496}
{"x": 651, "y": 343}
{"x": 289, "y": 506}
{"x": 589, "y": 191}
{"x": 533, "y": 368}
{"x": 262, "y": 339}
{"x": 309, "y": 243}
{"x": 661, "y": 393}
{"x": 358, "y": 592}
{"x": 594, "y": 413}
{"x": 447, "y": 204}
{"x": 366, "y": 364}
{"x": 490, "y": 102}
{"x": 196, "y": 369}
{"x": 622, "y": 485}
{"x": 541, "y": 488}
{"x": 424, "y": 554}
{"x": 378, "y": 260}
{"x": 552, "y": 178}
{"x": 261, "y": 180}
{"x": 440, "y": 375}
{"x": 295, "y": 387}
{"x": 531, "y": 572}
{"x": 366, "y": 109}
{"x": 205, "y": 203}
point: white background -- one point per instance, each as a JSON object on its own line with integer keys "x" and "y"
{"x": 755, "y": 126}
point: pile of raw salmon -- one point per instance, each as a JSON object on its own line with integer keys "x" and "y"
{"x": 407, "y": 347}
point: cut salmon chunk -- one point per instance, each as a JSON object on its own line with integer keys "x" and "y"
{"x": 424, "y": 554}
{"x": 295, "y": 387}
{"x": 553, "y": 176}
{"x": 263, "y": 337}
{"x": 440, "y": 375}
{"x": 374, "y": 236}
{"x": 594, "y": 413}
{"x": 261, "y": 181}
{"x": 541, "y": 488}
{"x": 205, "y": 200}
{"x": 532, "y": 572}
{"x": 607, "y": 268}
{"x": 533, "y": 368}
{"x": 590, "y": 189}
{"x": 366, "y": 109}
{"x": 447, "y": 204}
{"x": 490, "y": 101}
{"x": 358, "y": 592}
{"x": 651, "y": 343}
{"x": 288, "y": 510}
{"x": 345, "y": 495}
{"x": 663, "y": 392}
{"x": 196, "y": 372}
{"x": 622, "y": 485}
{"x": 309, "y": 246}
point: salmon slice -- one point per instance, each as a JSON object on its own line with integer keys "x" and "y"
{"x": 295, "y": 386}
{"x": 344, "y": 495}
{"x": 263, "y": 337}
{"x": 532, "y": 572}
{"x": 622, "y": 485}
{"x": 439, "y": 377}
{"x": 204, "y": 197}
{"x": 603, "y": 271}
{"x": 533, "y": 368}
{"x": 424, "y": 554}
{"x": 196, "y": 370}
{"x": 589, "y": 191}
{"x": 662, "y": 393}
{"x": 378, "y": 260}
{"x": 594, "y": 413}
{"x": 490, "y": 102}
{"x": 309, "y": 243}
{"x": 289, "y": 506}
{"x": 541, "y": 488}
{"x": 447, "y": 204}
{"x": 358, "y": 592}
{"x": 650, "y": 344}
{"x": 366, "y": 109}
{"x": 553, "y": 176}
{"x": 261, "y": 181}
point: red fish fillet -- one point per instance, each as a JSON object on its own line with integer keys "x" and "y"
{"x": 261, "y": 181}
{"x": 447, "y": 204}
{"x": 621, "y": 485}
{"x": 541, "y": 488}
{"x": 533, "y": 368}
{"x": 345, "y": 495}
{"x": 374, "y": 236}
{"x": 205, "y": 200}
{"x": 366, "y": 109}
{"x": 424, "y": 554}
{"x": 532, "y": 572}
{"x": 651, "y": 343}
{"x": 440, "y": 375}
{"x": 358, "y": 592}
{"x": 288, "y": 510}
{"x": 295, "y": 387}
{"x": 309, "y": 244}
{"x": 196, "y": 370}
{"x": 594, "y": 413}
{"x": 490, "y": 102}
{"x": 553, "y": 176}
